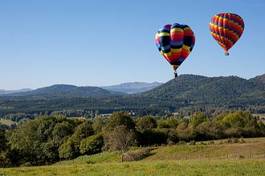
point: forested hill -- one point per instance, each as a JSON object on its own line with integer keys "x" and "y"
{"x": 184, "y": 92}
{"x": 229, "y": 90}
{"x": 67, "y": 91}
{"x": 133, "y": 87}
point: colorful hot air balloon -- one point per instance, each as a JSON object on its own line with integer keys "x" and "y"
{"x": 175, "y": 42}
{"x": 226, "y": 29}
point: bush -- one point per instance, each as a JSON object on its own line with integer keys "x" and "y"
{"x": 182, "y": 142}
{"x": 62, "y": 130}
{"x": 98, "y": 124}
{"x": 233, "y": 140}
{"x": 82, "y": 131}
{"x": 145, "y": 123}
{"x": 120, "y": 138}
{"x": 241, "y": 140}
{"x": 121, "y": 119}
{"x": 152, "y": 137}
{"x": 136, "y": 155}
{"x": 211, "y": 142}
{"x": 3, "y": 140}
{"x": 68, "y": 150}
{"x": 186, "y": 134}
{"x": 168, "y": 123}
{"x": 172, "y": 137}
{"x": 192, "y": 142}
{"x": 91, "y": 145}
{"x": 233, "y": 132}
{"x": 198, "y": 118}
{"x": 4, "y": 160}
{"x": 239, "y": 119}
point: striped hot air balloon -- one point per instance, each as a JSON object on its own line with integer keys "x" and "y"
{"x": 226, "y": 29}
{"x": 175, "y": 42}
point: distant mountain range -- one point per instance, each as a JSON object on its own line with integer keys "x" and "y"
{"x": 61, "y": 90}
{"x": 133, "y": 87}
{"x": 5, "y": 92}
{"x": 186, "y": 92}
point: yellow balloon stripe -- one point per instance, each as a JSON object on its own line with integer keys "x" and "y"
{"x": 174, "y": 50}
{"x": 163, "y": 34}
{"x": 186, "y": 47}
{"x": 221, "y": 38}
{"x": 176, "y": 30}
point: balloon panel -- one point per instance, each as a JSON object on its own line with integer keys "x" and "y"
{"x": 175, "y": 42}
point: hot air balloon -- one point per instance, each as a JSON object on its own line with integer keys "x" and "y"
{"x": 226, "y": 29}
{"x": 175, "y": 42}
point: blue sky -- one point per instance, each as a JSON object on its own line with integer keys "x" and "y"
{"x": 100, "y": 42}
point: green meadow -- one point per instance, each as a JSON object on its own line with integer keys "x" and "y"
{"x": 217, "y": 158}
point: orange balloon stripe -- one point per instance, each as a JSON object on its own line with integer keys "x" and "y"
{"x": 225, "y": 32}
{"x": 238, "y": 19}
{"x": 185, "y": 53}
{"x": 220, "y": 29}
{"x": 233, "y": 24}
{"x": 226, "y": 43}
{"x": 213, "y": 29}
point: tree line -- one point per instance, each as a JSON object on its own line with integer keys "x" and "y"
{"x": 48, "y": 139}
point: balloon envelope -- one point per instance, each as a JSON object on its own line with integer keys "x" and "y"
{"x": 226, "y": 29}
{"x": 175, "y": 42}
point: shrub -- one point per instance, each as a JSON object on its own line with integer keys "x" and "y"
{"x": 198, "y": 118}
{"x": 136, "y": 155}
{"x": 152, "y": 137}
{"x": 229, "y": 141}
{"x": 241, "y": 140}
{"x": 68, "y": 150}
{"x": 239, "y": 119}
{"x": 98, "y": 124}
{"x": 172, "y": 137}
{"x": 192, "y": 142}
{"x": 3, "y": 140}
{"x": 83, "y": 130}
{"x": 182, "y": 142}
{"x": 235, "y": 140}
{"x": 120, "y": 119}
{"x": 121, "y": 138}
{"x": 186, "y": 134}
{"x": 233, "y": 132}
{"x": 4, "y": 160}
{"x": 168, "y": 123}
{"x": 91, "y": 145}
{"x": 145, "y": 123}
{"x": 211, "y": 142}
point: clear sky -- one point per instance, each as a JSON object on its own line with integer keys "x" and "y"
{"x": 104, "y": 42}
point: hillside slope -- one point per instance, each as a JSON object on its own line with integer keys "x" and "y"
{"x": 193, "y": 89}
{"x": 213, "y": 159}
{"x": 61, "y": 90}
{"x": 133, "y": 87}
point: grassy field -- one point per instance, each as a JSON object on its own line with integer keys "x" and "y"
{"x": 218, "y": 159}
